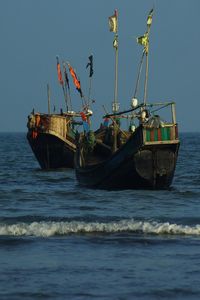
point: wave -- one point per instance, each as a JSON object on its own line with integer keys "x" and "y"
{"x": 52, "y": 228}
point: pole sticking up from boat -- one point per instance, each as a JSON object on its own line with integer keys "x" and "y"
{"x": 48, "y": 95}
{"x": 67, "y": 87}
{"x": 77, "y": 84}
{"x": 138, "y": 77}
{"x": 113, "y": 24}
{"x": 90, "y": 64}
{"x": 110, "y": 116}
{"x": 60, "y": 79}
{"x": 144, "y": 41}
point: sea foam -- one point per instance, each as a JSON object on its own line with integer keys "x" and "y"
{"x": 47, "y": 229}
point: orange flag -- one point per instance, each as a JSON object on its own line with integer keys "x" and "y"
{"x": 83, "y": 116}
{"x": 75, "y": 79}
{"x": 59, "y": 72}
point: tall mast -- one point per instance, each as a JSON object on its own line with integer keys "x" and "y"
{"x": 146, "y": 79}
{"x": 90, "y": 64}
{"x": 60, "y": 79}
{"x": 48, "y": 95}
{"x": 67, "y": 88}
{"x": 113, "y": 24}
{"x": 144, "y": 40}
{"x": 115, "y": 45}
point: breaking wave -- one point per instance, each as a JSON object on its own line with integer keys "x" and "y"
{"x": 51, "y": 228}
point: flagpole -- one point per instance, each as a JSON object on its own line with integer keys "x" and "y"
{"x": 113, "y": 23}
{"x": 70, "y": 100}
{"x": 146, "y": 79}
{"x": 89, "y": 91}
{"x": 90, "y": 65}
{"x": 48, "y": 95}
{"x": 116, "y": 74}
{"x": 65, "y": 96}
{"x": 67, "y": 91}
{"x": 67, "y": 88}
{"x": 61, "y": 81}
{"x": 116, "y": 105}
{"x": 139, "y": 74}
{"x": 77, "y": 84}
{"x": 144, "y": 40}
{"x": 147, "y": 64}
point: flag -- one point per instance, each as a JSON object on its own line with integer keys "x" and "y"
{"x": 149, "y": 18}
{"x": 115, "y": 42}
{"x": 86, "y": 125}
{"x": 144, "y": 41}
{"x": 113, "y": 22}
{"x": 90, "y": 64}
{"x": 83, "y": 116}
{"x": 66, "y": 78}
{"x": 75, "y": 79}
{"x": 66, "y": 75}
{"x": 59, "y": 71}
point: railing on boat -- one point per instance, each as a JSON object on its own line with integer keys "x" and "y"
{"x": 165, "y": 132}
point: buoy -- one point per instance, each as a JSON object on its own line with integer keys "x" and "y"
{"x": 134, "y": 102}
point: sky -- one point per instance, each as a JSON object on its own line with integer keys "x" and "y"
{"x": 34, "y": 32}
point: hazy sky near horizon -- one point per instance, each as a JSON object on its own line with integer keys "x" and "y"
{"x": 33, "y": 32}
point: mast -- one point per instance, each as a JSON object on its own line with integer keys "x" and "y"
{"x": 116, "y": 104}
{"x": 113, "y": 24}
{"x": 48, "y": 95}
{"x": 67, "y": 87}
{"x": 144, "y": 40}
{"x": 60, "y": 79}
{"x": 90, "y": 64}
{"x": 146, "y": 79}
{"x": 149, "y": 22}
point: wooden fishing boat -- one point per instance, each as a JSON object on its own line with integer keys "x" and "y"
{"x": 145, "y": 158}
{"x": 52, "y": 139}
{"x": 52, "y": 136}
{"x": 142, "y": 157}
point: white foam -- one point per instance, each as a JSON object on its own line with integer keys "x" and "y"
{"x": 47, "y": 229}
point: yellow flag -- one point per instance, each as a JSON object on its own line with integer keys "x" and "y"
{"x": 115, "y": 43}
{"x": 113, "y": 22}
{"x": 149, "y": 18}
{"x": 144, "y": 41}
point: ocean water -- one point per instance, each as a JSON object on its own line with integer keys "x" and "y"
{"x": 61, "y": 241}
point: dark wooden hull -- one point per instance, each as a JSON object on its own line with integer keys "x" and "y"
{"x": 51, "y": 151}
{"x": 135, "y": 165}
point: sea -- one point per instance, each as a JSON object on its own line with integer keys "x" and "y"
{"x": 62, "y": 241}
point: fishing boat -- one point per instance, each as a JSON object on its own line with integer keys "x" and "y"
{"x": 52, "y": 139}
{"x": 52, "y": 136}
{"x": 144, "y": 155}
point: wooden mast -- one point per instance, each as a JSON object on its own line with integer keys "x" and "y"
{"x": 146, "y": 50}
{"x": 48, "y": 95}
{"x": 113, "y": 22}
{"x": 146, "y": 79}
{"x": 116, "y": 104}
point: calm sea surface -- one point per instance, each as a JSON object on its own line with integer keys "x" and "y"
{"x": 60, "y": 241}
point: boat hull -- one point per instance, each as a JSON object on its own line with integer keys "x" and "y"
{"x": 134, "y": 166}
{"x": 51, "y": 151}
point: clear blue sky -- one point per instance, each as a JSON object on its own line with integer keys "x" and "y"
{"x": 33, "y": 32}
